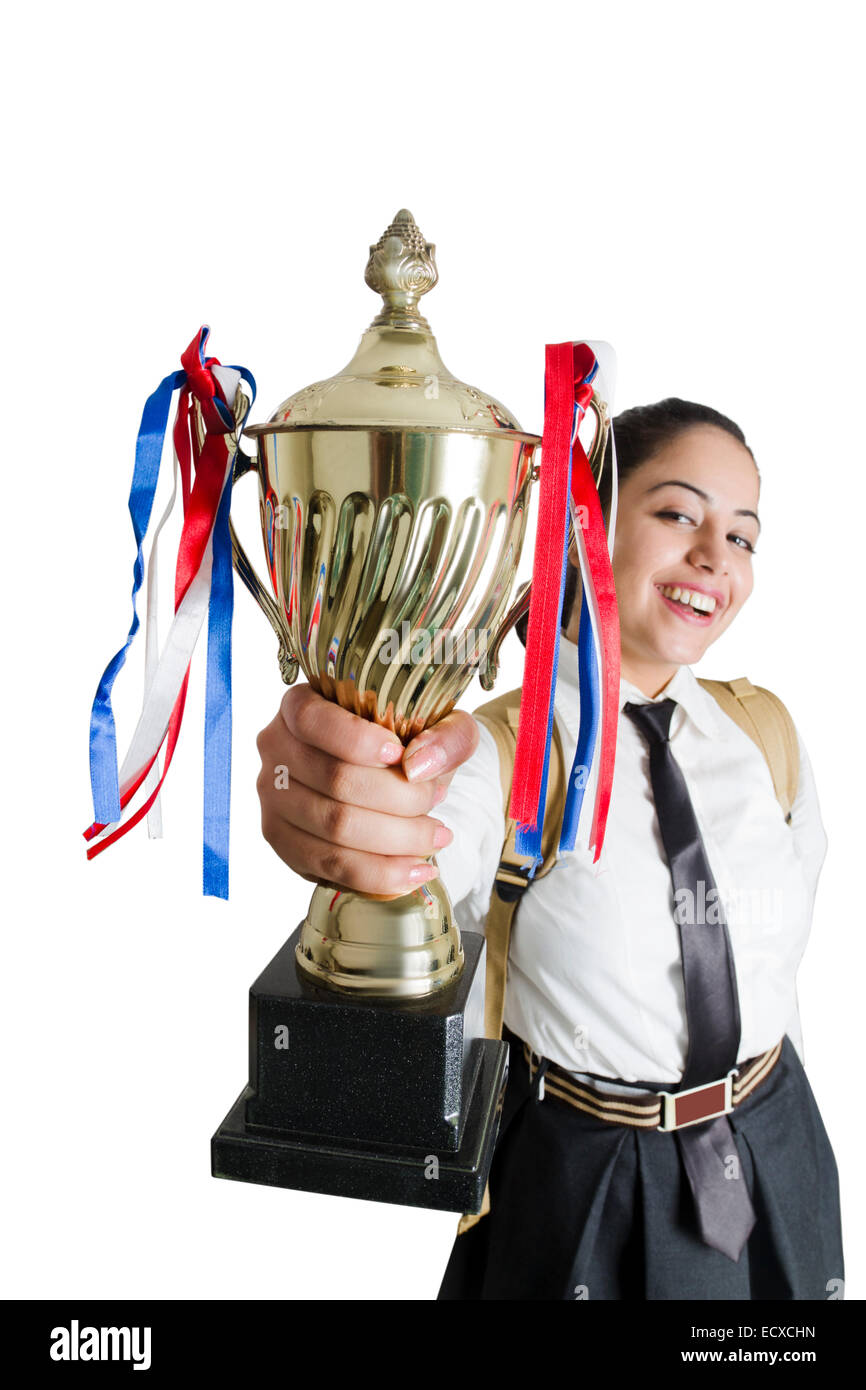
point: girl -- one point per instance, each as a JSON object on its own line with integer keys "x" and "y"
{"x": 612, "y": 978}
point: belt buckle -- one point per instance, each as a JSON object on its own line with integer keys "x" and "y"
{"x": 718, "y": 1096}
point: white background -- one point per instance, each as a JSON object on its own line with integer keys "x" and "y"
{"x": 680, "y": 180}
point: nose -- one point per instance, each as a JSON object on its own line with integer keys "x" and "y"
{"x": 709, "y": 551}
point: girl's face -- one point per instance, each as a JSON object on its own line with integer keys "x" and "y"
{"x": 686, "y": 528}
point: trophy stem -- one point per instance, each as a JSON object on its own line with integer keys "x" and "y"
{"x": 400, "y": 948}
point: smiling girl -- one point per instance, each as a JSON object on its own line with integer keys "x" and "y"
{"x": 600, "y": 1187}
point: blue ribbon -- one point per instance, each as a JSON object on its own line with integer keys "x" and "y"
{"x": 218, "y": 699}
{"x": 218, "y": 711}
{"x": 587, "y": 732}
{"x": 103, "y": 735}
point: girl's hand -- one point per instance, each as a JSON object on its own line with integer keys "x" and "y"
{"x": 344, "y": 805}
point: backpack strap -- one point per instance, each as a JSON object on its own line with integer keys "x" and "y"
{"x": 501, "y": 717}
{"x": 761, "y": 715}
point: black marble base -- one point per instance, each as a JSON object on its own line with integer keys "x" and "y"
{"x": 393, "y": 1102}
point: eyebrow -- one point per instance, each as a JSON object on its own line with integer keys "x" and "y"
{"x": 677, "y": 482}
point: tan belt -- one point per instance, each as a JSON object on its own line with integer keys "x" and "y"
{"x": 647, "y": 1110}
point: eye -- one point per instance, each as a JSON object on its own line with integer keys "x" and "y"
{"x": 741, "y": 542}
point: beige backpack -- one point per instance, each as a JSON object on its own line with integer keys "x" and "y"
{"x": 758, "y": 713}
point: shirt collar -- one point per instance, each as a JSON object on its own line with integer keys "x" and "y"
{"x": 683, "y": 687}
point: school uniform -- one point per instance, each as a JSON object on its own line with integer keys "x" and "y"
{"x": 584, "y": 1205}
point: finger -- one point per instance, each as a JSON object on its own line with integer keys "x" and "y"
{"x": 287, "y": 762}
{"x": 327, "y": 726}
{"x": 379, "y": 875}
{"x": 356, "y": 827}
{"x": 441, "y": 748}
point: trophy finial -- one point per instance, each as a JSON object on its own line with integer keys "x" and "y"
{"x": 401, "y": 268}
{"x": 396, "y": 377}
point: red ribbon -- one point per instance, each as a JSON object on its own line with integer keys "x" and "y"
{"x": 543, "y": 631}
{"x": 567, "y": 367}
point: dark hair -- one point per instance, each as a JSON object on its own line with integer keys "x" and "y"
{"x": 640, "y": 434}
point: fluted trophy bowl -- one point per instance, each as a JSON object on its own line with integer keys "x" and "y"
{"x": 393, "y": 502}
{"x": 391, "y": 555}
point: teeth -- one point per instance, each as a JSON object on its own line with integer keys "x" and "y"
{"x": 702, "y": 603}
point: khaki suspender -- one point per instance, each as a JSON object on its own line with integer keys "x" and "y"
{"x": 762, "y": 716}
{"x": 500, "y": 716}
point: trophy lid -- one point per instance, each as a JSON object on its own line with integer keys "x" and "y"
{"x": 396, "y": 379}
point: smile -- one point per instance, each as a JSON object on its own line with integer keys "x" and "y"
{"x": 688, "y": 603}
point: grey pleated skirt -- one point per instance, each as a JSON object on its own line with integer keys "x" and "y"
{"x": 582, "y": 1209}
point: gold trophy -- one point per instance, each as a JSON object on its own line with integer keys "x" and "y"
{"x": 394, "y": 501}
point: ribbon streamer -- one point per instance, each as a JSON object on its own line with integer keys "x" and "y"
{"x": 545, "y": 605}
{"x": 600, "y": 593}
{"x": 567, "y": 481}
{"x": 103, "y": 738}
{"x": 588, "y": 730}
{"x": 206, "y": 441}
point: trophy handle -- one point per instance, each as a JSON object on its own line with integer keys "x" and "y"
{"x": 489, "y": 671}
{"x": 288, "y": 661}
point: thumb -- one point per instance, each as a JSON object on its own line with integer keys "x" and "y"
{"x": 441, "y": 748}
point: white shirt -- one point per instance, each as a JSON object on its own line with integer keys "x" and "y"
{"x": 595, "y": 972}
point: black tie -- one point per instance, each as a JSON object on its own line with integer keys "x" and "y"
{"x": 725, "y": 1212}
